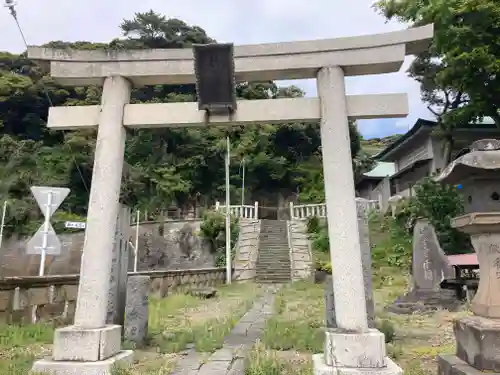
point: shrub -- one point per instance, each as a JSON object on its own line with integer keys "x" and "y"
{"x": 313, "y": 225}
{"x": 213, "y": 229}
{"x": 394, "y": 248}
{"x": 387, "y": 328}
{"x": 439, "y": 203}
{"x": 320, "y": 265}
{"x": 318, "y": 234}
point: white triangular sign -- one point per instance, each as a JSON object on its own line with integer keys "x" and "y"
{"x": 41, "y": 194}
{"x": 35, "y": 244}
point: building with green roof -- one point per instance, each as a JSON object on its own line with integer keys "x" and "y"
{"x": 419, "y": 153}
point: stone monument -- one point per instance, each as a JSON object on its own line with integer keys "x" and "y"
{"x": 364, "y": 241}
{"x": 329, "y": 61}
{"x": 478, "y": 336}
{"x": 137, "y": 309}
{"x": 429, "y": 268}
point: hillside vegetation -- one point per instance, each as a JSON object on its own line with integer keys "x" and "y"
{"x": 373, "y": 146}
{"x": 164, "y": 167}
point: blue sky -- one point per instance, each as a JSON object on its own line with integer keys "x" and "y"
{"x": 258, "y": 21}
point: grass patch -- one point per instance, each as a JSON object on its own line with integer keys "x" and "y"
{"x": 20, "y": 345}
{"x": 175, "y": 322}
{"x": 262, "y": 361}
{"x": 180, "y": 320}
{"x": 298, "y": 320}
{"x": 297, "y": 327}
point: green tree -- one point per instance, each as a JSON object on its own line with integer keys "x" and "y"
{"x": 460, "y": 73}
{"x": 163, "y": 167}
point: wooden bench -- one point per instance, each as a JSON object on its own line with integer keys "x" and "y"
{"x": 466, "y": 279}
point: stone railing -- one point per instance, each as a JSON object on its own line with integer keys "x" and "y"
{"x": 247, "y": 250}
{"x": 28, "y": 299}
{"x": 244, "y": 211}
{"x": 305, "y": 211}
{"x": 301, "y": 258}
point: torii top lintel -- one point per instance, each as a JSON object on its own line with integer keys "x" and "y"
{"x": 359, "y": 55}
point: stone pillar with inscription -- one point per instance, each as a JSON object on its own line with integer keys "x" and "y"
{"x": 478, "y": 336}
{"x": 429, "y": 268}
{"x": 366, "y": 262}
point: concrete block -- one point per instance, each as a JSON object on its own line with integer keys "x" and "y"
{"x": 478, "y": 342}
{"x": 74, "y": 343}
{"x": 365, "y": 350}
{"x": 452, "y": 365}
{"x": 321, "y": 368}
{"x": 123, "y": 359}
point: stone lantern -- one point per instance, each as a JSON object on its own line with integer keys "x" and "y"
{"x": 478, "y": 336}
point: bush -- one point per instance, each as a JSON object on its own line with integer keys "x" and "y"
{"x": 318, "y": 234}
{"x": 213, "y": 229}
{"x": 394, "y": 249}
{"x": 387, "y": 328}
{"x": 325, "y": 266}
{"x": 313, "y": 225}
{"x": 439, "y": 203}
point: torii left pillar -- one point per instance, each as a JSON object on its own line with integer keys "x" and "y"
{"x": 90, "y": 345}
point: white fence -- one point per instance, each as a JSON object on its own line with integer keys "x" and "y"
{"x": 245, "y": 211}
{"x": 305, "y": 211}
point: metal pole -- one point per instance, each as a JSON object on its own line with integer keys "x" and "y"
{"x": 243, "y": 186}
{"x": 46, "y": 225}
{"x": 228, "y": 219}
{"x": 136, "y": 248}
{"x": 3, "y": 221}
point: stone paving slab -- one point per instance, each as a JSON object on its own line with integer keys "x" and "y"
{"x": 230, "y": 359}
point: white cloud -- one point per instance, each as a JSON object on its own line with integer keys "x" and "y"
{"x": 240, "y": 22}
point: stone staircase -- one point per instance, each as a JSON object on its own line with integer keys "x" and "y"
{"x": 273, "y": 262}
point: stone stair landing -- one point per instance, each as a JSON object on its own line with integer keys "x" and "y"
{"x": 273, "y": 262}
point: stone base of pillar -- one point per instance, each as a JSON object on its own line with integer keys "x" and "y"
{"x": 366, "y": 350}
{"x": 354, "y": 353}
{"x": 452, "y": 365}
{"x": 321, "y": 368}
{"x": 85, "y": 351}
{"x": 49, "y": 366}
{"x": 478, "y": 342}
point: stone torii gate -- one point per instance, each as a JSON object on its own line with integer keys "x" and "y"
{"x": 90, "y": 344}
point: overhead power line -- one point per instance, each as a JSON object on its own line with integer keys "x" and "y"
{"x": 11, "y": 4}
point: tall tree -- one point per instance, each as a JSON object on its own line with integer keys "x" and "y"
{"x": 460, "y": 73}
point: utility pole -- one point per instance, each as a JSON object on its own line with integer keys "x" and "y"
{"x": 136, "y": 249}
{"x": 3, "y": 222}
{"x": 243, "y": 185}
{"x": 228, "y": 217}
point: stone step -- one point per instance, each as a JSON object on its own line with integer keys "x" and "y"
{"x": 273, "y": 279}
{"x": 277, "y": 255}
{"x": 278, "y": 259}
{"x": 273, "y": 247}
{"x": 272, "y": 274}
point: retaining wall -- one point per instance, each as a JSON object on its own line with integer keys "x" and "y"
{"x": 55, "y": 296}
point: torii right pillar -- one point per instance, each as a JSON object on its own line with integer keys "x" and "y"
{"x": 351, "y": 347}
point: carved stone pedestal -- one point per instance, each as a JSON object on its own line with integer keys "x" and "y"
{"x": 478, "y": 348}
{"x": 85, "y": 351}
{"x": 478, "y": 337}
